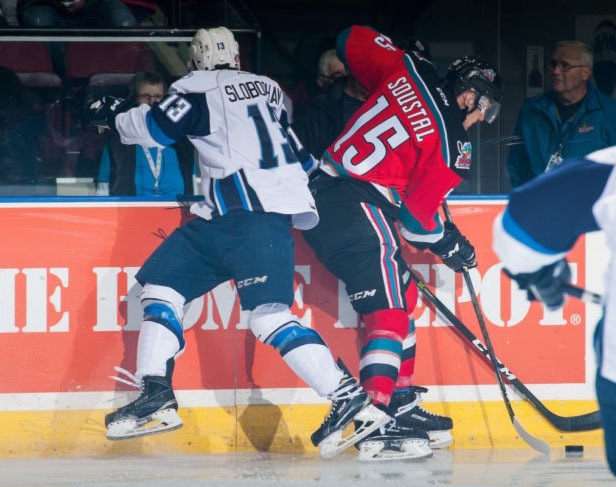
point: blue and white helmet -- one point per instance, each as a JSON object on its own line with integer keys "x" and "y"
{"x": 213, "y": 48}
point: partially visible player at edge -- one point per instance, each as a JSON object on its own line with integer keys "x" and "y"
{"x": 406, "y": 147}
{"x": 538, "y": 228}
{"x": 255, "y": 189}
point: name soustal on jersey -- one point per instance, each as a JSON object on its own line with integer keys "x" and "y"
{"x": 233, "y": 119}
{"x": 407, "y": 139}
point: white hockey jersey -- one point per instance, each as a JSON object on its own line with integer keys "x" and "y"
{"x": 233, "y": 119}
{"x": 544, "y": 218}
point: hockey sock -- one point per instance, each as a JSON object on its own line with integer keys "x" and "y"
{"x": 302, "y": 348}
{"x": 380, "y": 355}
{"x": 407, "y": 366}
{"x": 162, "y": 335}
{"x": 156, "y": 345}
{"x": 306, "y": 353}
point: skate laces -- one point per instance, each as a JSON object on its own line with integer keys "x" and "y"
{"x": 414, "y": 404}
{"x": 389, "y": 425}
{"x": 133, "y": 382}
{"x": 347, "y": 389}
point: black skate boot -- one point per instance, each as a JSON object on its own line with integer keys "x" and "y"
{"x": 349, "y": 403}
{"x": 154, "y": 411}
{"x": 395, "y": 441}
{"x": 404, "y": 406}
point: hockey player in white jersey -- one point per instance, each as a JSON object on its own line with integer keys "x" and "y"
{"x": 532, "y": 237}
{"x": 255, "y": 189}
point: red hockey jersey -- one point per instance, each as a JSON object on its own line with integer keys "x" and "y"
{"x": 407, "y": 140}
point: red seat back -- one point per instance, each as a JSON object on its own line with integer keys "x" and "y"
{"x": 84, "y": 59}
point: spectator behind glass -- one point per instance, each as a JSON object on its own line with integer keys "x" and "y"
{"x": 75, "y": 13}
{"x": 328, "y": 113}
{"x": 127, "y": 170}
{"x": 3, "y": 22}
{"x": 8, "y": 13}
{"x": 572, "y": 119}
{"x": 329, "y": 70}
{"x": 18, "y": 142}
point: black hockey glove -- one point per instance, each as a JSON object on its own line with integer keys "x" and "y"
{"x": 546, "y": 284}
{"x": 102, "y": 112}
{"x": 454, "y": 249}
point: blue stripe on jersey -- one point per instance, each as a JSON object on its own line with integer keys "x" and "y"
{"x": 518, "y": 233}
{"x": 155, "y": 131}
{"x": 294, "y": 336}
{"x": 241, "y": 191}
{"x": 432, "y": 108}
{"x": 217, "y": 197}
{"x": 233, "y": 193}
{"x": 412, "y": 224}
{"x": 554, "y": 222}
{"x": 388, "y": 259}
{"x": 337, "y": 168}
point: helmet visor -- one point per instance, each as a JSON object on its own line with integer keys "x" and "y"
{"x": 489, "y": 107}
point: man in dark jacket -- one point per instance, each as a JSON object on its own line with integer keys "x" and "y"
{"x": 328, "y": 113}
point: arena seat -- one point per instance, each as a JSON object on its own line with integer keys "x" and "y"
{"x": 31, "y": 61}
{"x": 101, "y": 65}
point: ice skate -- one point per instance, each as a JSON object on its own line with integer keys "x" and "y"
{"x": 393, "y": 441}
{"x": 404, "y": 406}
{"x": 154, "y": 411}
{"x": 349, "y": 403}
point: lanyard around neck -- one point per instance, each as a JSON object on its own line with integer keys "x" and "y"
{"x": 155, "y": 168}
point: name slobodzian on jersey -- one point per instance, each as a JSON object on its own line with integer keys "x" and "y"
{"x": 253, "y": 89}
{"x": 410, "y": 104}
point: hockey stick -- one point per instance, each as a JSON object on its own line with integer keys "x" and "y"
{"x": 536, "y": 443}
{"x": 584, "y": 422}
{"x": 583, "y": 294}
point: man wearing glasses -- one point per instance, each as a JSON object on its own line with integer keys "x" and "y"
{"x": 572, "y": 119}
{"x": 135, "y": 170}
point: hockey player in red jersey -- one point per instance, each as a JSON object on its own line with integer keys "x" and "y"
{"x": 396, "y": 160}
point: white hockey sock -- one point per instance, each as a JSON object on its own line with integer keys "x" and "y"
{"x": 301, "y": 348}
{"x": 315, "y": 365}
{"x": 156, "y": 345}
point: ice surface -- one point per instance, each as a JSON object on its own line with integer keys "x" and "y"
{"x": 471, "y": 467}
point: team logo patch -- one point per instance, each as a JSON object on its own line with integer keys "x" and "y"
{"x": 489, "y": 73}
{"x": 465, "y": 153}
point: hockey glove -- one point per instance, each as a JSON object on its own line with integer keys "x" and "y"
{"x": 546, "y": 284}
{"x": 102, "y": 112}
{"x": 454, "y": 249}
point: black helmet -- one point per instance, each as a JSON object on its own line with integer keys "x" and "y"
{"x": 471, "y": 73}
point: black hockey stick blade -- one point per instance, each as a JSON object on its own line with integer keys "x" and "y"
{"x": 583, "y": 294}
{"x": 584, "y": 422}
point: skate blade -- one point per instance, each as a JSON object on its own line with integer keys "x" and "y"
{"x": 440, "y": 439}
{"x": 374, "y": 451}
{"x": 159, "y": 422}
{"x": 371, "y": 418}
